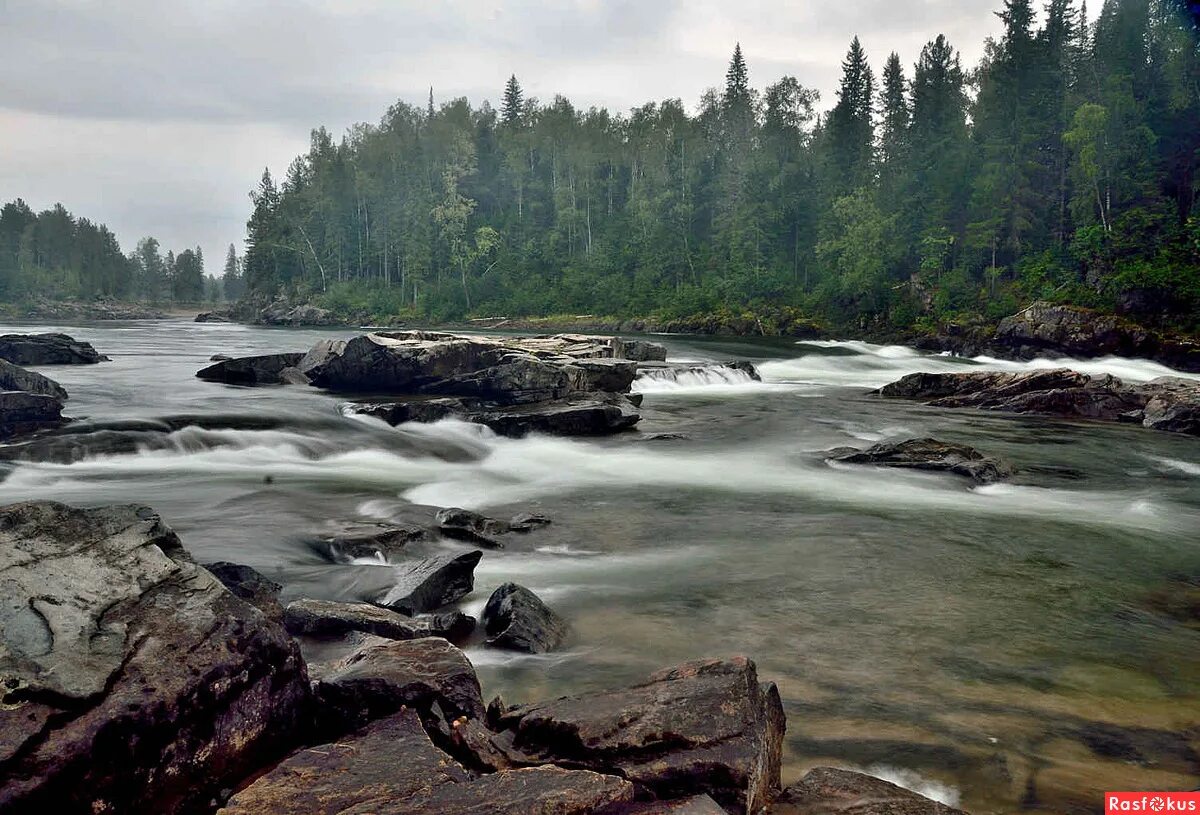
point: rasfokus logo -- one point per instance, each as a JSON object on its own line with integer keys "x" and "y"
{"x": 1151, "y": 802}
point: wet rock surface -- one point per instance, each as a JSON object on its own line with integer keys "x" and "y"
{"x": 23, "y": 413}
{"x": 264, "y": 369}
{"x": 47, "y": 349}
{"x": 133, "y": 681}
{"x": 706, "y": 727}
{"x": 515, "y": 618}
{"x": 429, "y": 584}
{"x": 16, "y": 378}
{"x": 1167, "y": 403}
{"x": 328, "y": 618}
{"x": 251, "y": 586}
{"x": 928, "y": 454}
{"x": 829, "y": 791}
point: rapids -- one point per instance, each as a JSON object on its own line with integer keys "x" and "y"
{"x": 956, "y": 639}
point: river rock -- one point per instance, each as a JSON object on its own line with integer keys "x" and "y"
{"x": 427, "y": 585}
{"x": 250, "y": 585}
{"x": 328, "y": 618}
{"x": 928, "y": 454}
{"x": 133, "y": 681}
{"x": 693, "y": 805}
{"x": 566, "y": 418}
{"x": 22, "y": 413}
{"x": 517, "y": 380}
{"x": 264, "y": 369}
{"x": 611, "y": 375}
{"x": 517, "y": 619}
{"x": 463, "y": 524}
{"x": 47, "y": 349}
{"x": 401, "y": 362}
{"x": 702, "y": 728}
{"x": 383, "y": 675}
{"x": 211, "y": 317}
{"x": 829, "y": 791}
{"x": 1173, "y": 405}
{"x": 392, "y": 768}
{"x": 367, "y": 540}
{"x": 15, "y": 378}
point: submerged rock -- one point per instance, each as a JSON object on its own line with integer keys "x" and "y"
{"x": 212, "y": 317}
{"x": 829, "y": 791}
{"x": 328, "y": 618}
{"x": 361, "y": 773}
{"x": 702, "y": 728}
{"x": 367, "y": 540}
{"x": 928, "y": 454}
{"x": 15, "y": 378}
{"x": 264, "y": 369}
{"x": 516, "y": 618}
{"x": 133, "y": 681}
{"x": 427, "y": 585}
{"x": 463, "y": 524}
{"x": 22, "y": 413}
{"x": 47, "y": 349}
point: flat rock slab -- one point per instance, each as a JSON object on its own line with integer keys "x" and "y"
{"x": 328, "y": 618}
{"x": 702, "y": 728}
{"x": 23, "y": 413}
{"x": 47, "y": 349}
{"x": 133, "y": 681}
{"x": 584, "y": 418}
{"x": 829, "y": 791}
{"x": 928, "y": 454}
{"x": 427, "y": 585}
{"x": 392, "y": 768}
{"x": 265, "y": 369}
{"x": 16, "y": 378}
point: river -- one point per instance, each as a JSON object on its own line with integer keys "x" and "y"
{"x": 991, "y": 646}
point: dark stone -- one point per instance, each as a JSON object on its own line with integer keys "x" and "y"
{"x": 426, "y": 411}
{"x": 399, "y": 362}
{"x": 368, "y": 540}
{"x": 611, "y": 375}
{"x": 427, "y": 585}
{"x": 383, "y": 675}
{"x": 517, "y": 619}
{"x": 1072, "y": 331}
{"x": 251, "y": 586}
{"x": 131, "y": 680}
{"x": 829, "y": 791}
{"x": 462, "y": 524}
{"x": 702, "y": 728}
{"x": 15, "y": 378}
{"x": 22, "y": 413}
{"x": 211, "y": 317}
{"x": 1173, "y": 405}
{"x": 328, "y": 618}
{"x": 586, "y": 418}
{"x": 695, "y": 805}
{"x": 528, "y": 521}
{"x": 518, "y": 380}
{"x": 259, "y": 370}
{"x": 47, "y": 349}
{"x": 219, "y": 357}
{"x": 392, "y": 768}
{"x": 928, "y": 454}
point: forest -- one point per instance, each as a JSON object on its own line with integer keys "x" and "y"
{"x": 1062, "y": 167}
{"x": 53, "y": 255}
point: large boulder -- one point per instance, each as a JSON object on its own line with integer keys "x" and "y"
{"x": 518, "y": 380}
{"x": 611, "y": 375}
{"x": 47, "y": 349}
{"x": 264, "y": 369}
{"x": 928, "y": 454}
{"x": 1069, "y": 330}
{"x": 392, "y": 768}
{"x": 427, "y": 585}
{"x": 330, "y": 618}
{"x": 211, "y": 317}
{"x": 829, "y": 791}
{"x": 22, "y": 413}
{"x": 702, "y": 728}
{"x": 517, "y": 619}
{"x": 131, "y": 680}
{"x": 400, "y": 362}
{"x": 1173, "y": 404}
{"x": 15, "y": 378}
{"x": 382, "y": 676}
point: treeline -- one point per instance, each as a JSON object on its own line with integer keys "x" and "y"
{"x": 54, "y": 255}
{"x": 1063, "y": 166}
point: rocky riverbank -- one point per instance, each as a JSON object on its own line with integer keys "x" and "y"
{"x": 136, "y": 681}
{"x": 29, "y": 401}
{"x": 74, "y": 311}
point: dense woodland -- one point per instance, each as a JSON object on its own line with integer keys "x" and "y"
{"x": 1062, "y": 166}
{"x": 55, "y": 256}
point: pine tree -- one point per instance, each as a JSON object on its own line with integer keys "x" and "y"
{"x": 514, "y": 102}
{"x": 850, "y": 133}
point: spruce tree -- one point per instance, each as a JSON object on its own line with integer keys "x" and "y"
{"x": 514, "y": 102}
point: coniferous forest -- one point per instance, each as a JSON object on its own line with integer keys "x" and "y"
{"x": 1062, "y": 167}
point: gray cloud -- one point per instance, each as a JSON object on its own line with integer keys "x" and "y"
{"x": 157, "y": 118}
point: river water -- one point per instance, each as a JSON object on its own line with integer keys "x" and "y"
{"x": 991, "y": 646}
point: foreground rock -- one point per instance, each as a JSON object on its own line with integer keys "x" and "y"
{"x": 23, "y": 413}
{"x": 365, "y": 774}
{"x": 251, "y": 586}
{"x": 1167, "y": 403}
{"x": 133, "y": 681}
{"x": 47, "y": 349}
{"x": 265, "y": 369}
{"x": 430, "y": 584}
{"x": 517, "y": 619}
{"x": 382, "y": 676}
{"x": 327, "y": 618}
{"x": 928, "y": 454}
{"x": 705, "y": 727}
{"x": 829, "y": 791}
{"x": 16, "y": 378}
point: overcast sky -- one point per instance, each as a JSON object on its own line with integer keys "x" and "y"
{"x": 157, "y": 117}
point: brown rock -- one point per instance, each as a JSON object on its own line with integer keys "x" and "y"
{"x": 328, "y": 618}
{"x": 829, "y": 791}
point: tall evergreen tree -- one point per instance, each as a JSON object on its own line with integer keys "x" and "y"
{"x": 513, "y": 104}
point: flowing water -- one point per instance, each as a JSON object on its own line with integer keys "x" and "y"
{"x": 995, "y": 647}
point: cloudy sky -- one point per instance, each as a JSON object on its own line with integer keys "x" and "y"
{"x": 157, "y": 117}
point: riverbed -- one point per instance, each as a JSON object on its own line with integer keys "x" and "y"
{"x": 991, "y": 646}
